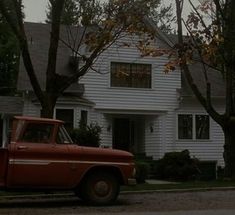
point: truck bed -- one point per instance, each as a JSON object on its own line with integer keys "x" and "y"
{"x": 3, "y": 165}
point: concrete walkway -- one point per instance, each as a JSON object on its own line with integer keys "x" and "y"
{"x": 153, "y": 181}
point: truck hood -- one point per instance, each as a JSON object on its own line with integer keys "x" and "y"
{"x": 102, "y": 154}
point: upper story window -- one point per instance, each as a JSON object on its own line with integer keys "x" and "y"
{"x": 66, "y": 115}
{"x": 130, "y": 75}
{"x": 193, "y": 126}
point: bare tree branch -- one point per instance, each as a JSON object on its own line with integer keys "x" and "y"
{"x": 206, "y": 103}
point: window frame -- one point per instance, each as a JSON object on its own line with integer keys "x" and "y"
{"x": 194, "y": 129}
{"x": 61, "y": 129}
{"x": 131, "y": 63}
{"x": 82, "y": 120}
{"x": 65, "y": 108}
{"x": 23, "y": 128}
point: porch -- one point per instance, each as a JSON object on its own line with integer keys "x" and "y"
{"x": 136, "y": 133}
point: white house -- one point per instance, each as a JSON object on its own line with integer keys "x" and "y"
{"x": 139, "y": 107}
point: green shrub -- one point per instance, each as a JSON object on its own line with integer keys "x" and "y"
{"x": 220, "y": 172}
{"x": 87, "y": 135}
{"x": 208, "y": 170}
{"x": 142, "y": 171}
{"x": 178, "y": 166}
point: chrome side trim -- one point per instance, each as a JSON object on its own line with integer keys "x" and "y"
{"x": 47, "y": 162}
{"x": 28, "y": 162}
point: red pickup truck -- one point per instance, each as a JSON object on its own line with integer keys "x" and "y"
{"x": 41, "y": 156}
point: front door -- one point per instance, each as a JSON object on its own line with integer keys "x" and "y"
{"x": 123, "y": 130}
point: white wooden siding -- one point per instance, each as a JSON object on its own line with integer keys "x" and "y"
{"x": 168, "y": 135}
{"x": 211, "y": 149}
{"x": 153, "y": 139}
{"x": 106, "y": 135}
{"x": 30, "y": 109}
{"x": 162, "y": 95}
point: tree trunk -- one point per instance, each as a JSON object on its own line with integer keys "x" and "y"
{"x": 229, "y": 151}
{"x": 48, "y": 106}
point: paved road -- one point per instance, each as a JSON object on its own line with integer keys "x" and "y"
{"x": 160, "y": 203}
{"x": 202, "y": 212}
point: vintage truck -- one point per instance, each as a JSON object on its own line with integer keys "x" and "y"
{"x": 41, "y": 156}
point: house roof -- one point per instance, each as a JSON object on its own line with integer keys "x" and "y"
{"x": 11, "y": 105}
{"x": 69, "y": 99}
{"x": 38, "y": 35}
{"x": 215, "y": 78}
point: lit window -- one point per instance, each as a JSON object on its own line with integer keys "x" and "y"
{"x": 130, "y": 75}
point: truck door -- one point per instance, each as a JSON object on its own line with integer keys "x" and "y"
{"x": 35, "y": 160}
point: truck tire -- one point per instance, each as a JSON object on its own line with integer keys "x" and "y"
{"x": 101, "y": 188}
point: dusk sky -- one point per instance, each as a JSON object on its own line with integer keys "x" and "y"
{"x": 35, "y": 9}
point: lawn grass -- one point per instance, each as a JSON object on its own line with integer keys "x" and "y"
{"x": 181, "y": 185}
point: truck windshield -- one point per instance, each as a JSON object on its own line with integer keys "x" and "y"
{"x": 63, "y": 136}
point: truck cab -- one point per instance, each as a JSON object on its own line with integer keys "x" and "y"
{"x": 41, "y": 156}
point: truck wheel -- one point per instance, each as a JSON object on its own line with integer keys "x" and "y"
{"x": 101, "y": 188}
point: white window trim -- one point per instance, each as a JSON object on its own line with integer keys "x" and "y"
{"x": 193, "y": 127}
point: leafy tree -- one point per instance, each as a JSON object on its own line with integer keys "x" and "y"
{"x": 113, "y": 19}
{"x": 69, "y": 15}
{"x": 211, "y": 40}
{"x": 9, "y": 58}
{"x": 162, "y": 15}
